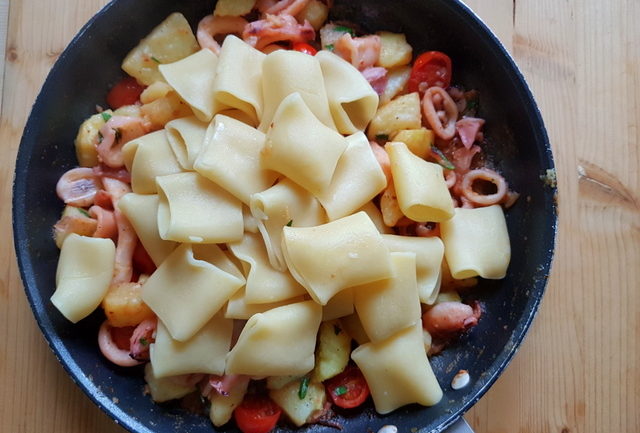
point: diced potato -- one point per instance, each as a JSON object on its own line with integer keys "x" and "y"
{"x": 397, "y": 80}
{"x": 123, "y": 305}
{"x": 128, "y": 110}
{"x": 222, "y": 406}
{"x": 165, "y": 109}
{"x": 87, "y": 139}
{"x": 170, "y": 41}
{"x": 354, "y": 328}
{"x": 316, "y": 13}
{"x": 332, "y": 354}
{"x": 164, "y": 389}
{"x": 155, "y": 91}
{"x": 451, "y": 296}
{"x": 73, "y": 220}
{"x": 419, "y": 141}
{"x": 426, "y": 337}
{"x": 233, "y": 8}
{"x": 389, "y": 206}
{"x": 277, "y": 382}
{"x": 401, "y": 113}
{"x": 394, "y": 50}
{"x": 297, "y": 409}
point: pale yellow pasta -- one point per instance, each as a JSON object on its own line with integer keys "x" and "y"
{"x": 186, "y": 136}
{"x": 300, "y": 147}
{"x": 429, "y": 253}
{"x": 287, "y": 72}
{"x": 148, "y": 157}
{"x": 388, "y": 306}
{"x": 223, "y": 259}
{"x": 250, "y": 222}
{"x": 376, "y": 216}
{"x": 353, "y": 326}
{"x": 230, "y": 157}
{"x": 194, "y": 209}
{"x": 282, "y": 204}
{"x": 357, "y": 179}
{"x": 397, "y": 371}
{"x": 205, "y": 352}
{"x": 142, "y": 212}
{"x": 238, "y": 308}
{"x": 265, "y": 347}
{"x": 335, "y": 256}
{"x": 185, "y": 292}
{"x": 238, "y": 81}
{"x": 352, "y": 101}
{"x": 264, "y": 283}
{"x": 165, "y": 388}
{"x": 476, "y": 242}
{"x": 341, "y": 305}
{"x": 193, "y": 78}
{"x": 241, "y": 116}
{"x": 420, "y": 186}
{"x": 85, "y": 269}
{"x": 169, "y": 42}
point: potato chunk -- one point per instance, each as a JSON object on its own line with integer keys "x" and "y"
{"x": 394, "y": 50}
{"x": 332, "y": 354}
{"x": 316, "y": 13}
{"x": 233, "y": 8}
{"x": 401, "y": 113}
{"x": 419, "y": 141}
{"x": 87, "y": 139}
{"x": 300, "y": 410}
{"x": 123, "y": 305}
{"x": 170, "y": 41}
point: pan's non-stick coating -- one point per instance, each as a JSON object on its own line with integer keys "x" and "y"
{"x": 518, "y": 147}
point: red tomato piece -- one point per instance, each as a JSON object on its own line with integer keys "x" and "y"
{"x": 256, "y": 414}
{"x": 348, "y": 389}
{"x": 121, "y": 336}
{"x": 141, "y": 260}
{"x": 126, "y": 92}
{"x": 305, "y": 48}
{"x": 432, "y": 68}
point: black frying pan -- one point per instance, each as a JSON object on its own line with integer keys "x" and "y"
{"x": 519, "y": 147}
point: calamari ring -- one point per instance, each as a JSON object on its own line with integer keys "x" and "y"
{"x": 481, "y": 199}
{"x": 448, "y": 130}
{"x": 78, "y": 187}
{"x": 111, "y": 351}
{"x": 211, "y": 25}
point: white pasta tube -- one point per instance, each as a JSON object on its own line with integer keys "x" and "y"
{"x": 300, "y": 147}
{"x": 476, "y": 242}
{"x": 420, "y": 186}
{"x": 397, "y": 371}
{"x": 186, "y": 136}
{"x": 85, "y": 269}
{"x": 335, "y": 256}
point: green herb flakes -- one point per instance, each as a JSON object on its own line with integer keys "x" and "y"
{"x": 290, "y": 223}
{"x": 105, "y": 116}
{"x": 155, "y": 59}
{"x": 304, "y": 387}
{"x": 341, "y": 390}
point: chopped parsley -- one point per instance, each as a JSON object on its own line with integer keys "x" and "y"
{"x": 290, "y": 223}
{"x": 84, "y": 212}
{"x": 442, "y": 160}
{"x": 341, "y": 390}
{"x": 304, "y": 387}
{"x": 144, "y": 341}
{"x": 345, "y": 29}
{"x": 100, "y": 137}
{"x": 330, "y": 47}
{"x": 105, "y": 116}
{"x": 155, "y": 59}
{"x": 384, "y": 137}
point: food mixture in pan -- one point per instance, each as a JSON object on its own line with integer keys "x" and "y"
{"x": 277, "y": 213}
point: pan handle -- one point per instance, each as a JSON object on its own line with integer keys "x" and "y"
{"x": 459, "y": 426}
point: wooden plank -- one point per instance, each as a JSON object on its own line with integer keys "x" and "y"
{"x": 4, "y": 28}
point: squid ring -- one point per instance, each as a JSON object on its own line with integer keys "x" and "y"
{"x": 490, "y": 176}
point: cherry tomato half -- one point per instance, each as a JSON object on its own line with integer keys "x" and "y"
{"x": 305, "y": 48}
{"x": 141, "y": 260}
{"x": 348, "y": 389}
{"x": 432, "y": 68}
{"x": 126, "y": 92}
{"x": 256, "y": 414}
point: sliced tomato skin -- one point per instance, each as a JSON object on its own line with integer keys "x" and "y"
{"x": 126, "y": 92}
{"x": 256, "y": 414}
{"x": 355, "y": 384}
{"x": 305, "y": 48}
{"x": 142, "y": 262}
{"x": 432, "y": 68}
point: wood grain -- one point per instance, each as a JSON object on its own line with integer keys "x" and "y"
{"x": 577, "y": 370}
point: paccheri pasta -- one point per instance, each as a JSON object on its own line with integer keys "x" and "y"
{"x": 281, "y": 221}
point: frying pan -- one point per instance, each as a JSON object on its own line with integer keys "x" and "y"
{"x": 518, "y": 147}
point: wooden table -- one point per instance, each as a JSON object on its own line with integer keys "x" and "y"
{"x": 578, "y": 368}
